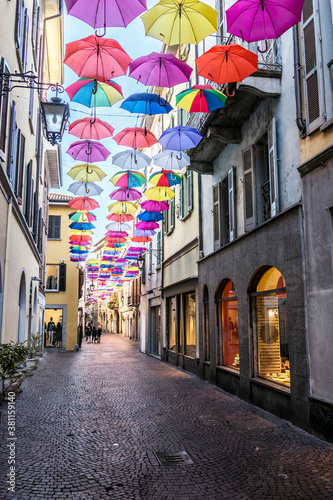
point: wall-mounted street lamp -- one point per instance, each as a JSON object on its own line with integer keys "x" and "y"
{"x": 140, "y": 261}
{"x": 122, "y": 299}
{"x": 55, "y": 114}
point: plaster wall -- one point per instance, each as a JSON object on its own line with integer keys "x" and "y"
{"x": 182, "y": 268}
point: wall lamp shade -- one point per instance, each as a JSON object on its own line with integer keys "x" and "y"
{"x": 140, "y": 261}
{"x": 55, "y": 114}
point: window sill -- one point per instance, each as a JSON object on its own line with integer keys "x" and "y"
{"x": 326, "y": 125}
{"x": 169, "y": 232}
{"x": 272, "y": 385}
{"x": 187, "y": 216}
{"x": 51, "y": 291}
{"x": 228, "y": 369}
{"x": 158, "y": 267}
{"x": 54, "y": 239}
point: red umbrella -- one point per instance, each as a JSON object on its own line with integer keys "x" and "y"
{"x": 83, "y": 203}
{"x": 79, "y": 237}
{"x": 120, "y": 217}
{"x": 141, "y": 239}
{"x": 135, "y": 137}
{"x": 87, "y": 128}
{"x": 97, "y": 58}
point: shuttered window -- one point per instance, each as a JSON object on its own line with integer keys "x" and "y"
{"x": 3, "y": 108}
{"x": 150, "y": 252}
{"x": 248, "y": 189}
{"x": 186, "y": 195}
{"x": 170, "y": 217}
{"x": 273, "y": 168}
{"x": 216, "y": 215}
{"x": 20, "y": 166}
{"x": 232, "y": 203}
{"x": 19, "y": 25}
{"x": 62, "y": 278}
{"x": 12, "y": 151}
{"x": 35, "y": 31}
{"x": 54, "y": 227}
{"x": 28, "y": 193}
{"x": 159, "y": 249}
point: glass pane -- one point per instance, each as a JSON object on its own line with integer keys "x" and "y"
{"x": 52, "y": 277}
{"x": 172, "y": 323}
{"x": 190, "y": 325}
{"x": 271, "y": 280}
{"x": 230, "y": 328}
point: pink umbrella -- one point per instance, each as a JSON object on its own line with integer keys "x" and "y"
{"x": 154, "y": 206}
{"x": 117, "y": 234}
{"x": 88, "y": 128}
{"x": 147, "y": 225}
{"x": 135, "y": 137}
{"x": 163, "y": 70}
{"x": 124, "y": 194}
{"x": 88, "y": 151}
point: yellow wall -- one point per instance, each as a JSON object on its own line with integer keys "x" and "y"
{"x": 56, "y": 251}
{"x": 315, "y": 143}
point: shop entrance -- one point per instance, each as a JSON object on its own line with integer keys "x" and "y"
{"x": 155, "y": 331}
{"x": 54, "y": 327}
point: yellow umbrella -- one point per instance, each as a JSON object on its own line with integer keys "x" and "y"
{"x": 123, "y": 207}
{"x": 159, "y": 193}
{"x": 180, "y": 21}
{"x": 92, "y": 261}
{"x": 85, "y": 172}
{"x": 79, "y": 231}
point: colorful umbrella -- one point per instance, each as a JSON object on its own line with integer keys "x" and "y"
{"x": 171, "y": 160}
{"x": 85, "y": 172}
{"x": 116, "y": 226}
{"x": 180, "y": 21}
{"x": 125, "y": 194}
{"x": 81, "y": 226}
{"x": 87, "y": 128}
{"x": 227, "y": 63}
{"x": 84, "y": 188}
{"x": 200, "y": 99}
{"x": 135, "y": 137}
{"x": 80, "y": 232}
{"x": 145, "y": 225}
{"x": 141, "y": 239}
{"x": 254, "y": 20}
{"x": 88, "y": 151}
{"x": 117, "y": 234}
{"x": 80, "y": 243}
{"x": 146, "y": 104}
{"x": 154, "y": 206}
{"x": 81, "y": 238}
{"x": 123, "y": 207}
{"x": 97, "y": 58}
{"x": 159, "y": 69}
{"x": 82, "y": 217}
{"x": 120, "y": 217}
{"x": 159, "y": 193}
{"x": 106, "y": 14}
{"x": 128, "y": 179}
{"x": 83, "y": 203}
{"x": 130, "y": 159}
{"x": 94, "y": 93}
{"x": 180, "y": 138}
{"x": 165, "y": 178}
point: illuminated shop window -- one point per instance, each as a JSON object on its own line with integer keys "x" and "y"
{"x": 190, "y": 325}
{"x": 228, "y": 326}
{"x": 172, "y": 324}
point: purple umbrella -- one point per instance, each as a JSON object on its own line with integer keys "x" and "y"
{"x": 180, "y": 138}
{"x": 254, "y": 20}
{"x": 124, "y": 194}
{"x": 88, "y": 151}
{"x": 155, "y": 206}
{"x": 163, "y": 70}
{"x": 144, "y": 232}
{"x": 117, "y": 234}
{"x": 146, "y": 225}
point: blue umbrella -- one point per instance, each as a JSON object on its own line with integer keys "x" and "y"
{"x": 81, "y": 252}
{"x": 180, "y": 138}
{"x": 146, "y": 104}
{"x": 82, "y": 226}
{"x": 150, "y": 216}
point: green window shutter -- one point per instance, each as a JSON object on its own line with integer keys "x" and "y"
{"x": 62, "y": 278}
{"x": 159, "y": 248}
{"x": 248, "y": 189}
{"x": 273, "y": 168}
{"x": 190, "y": 190}
{"x": 232, "y": 203}
{"x": 181, "y": 198}
{"x": 12, "y": 143}
{"x": 216, "y": 215}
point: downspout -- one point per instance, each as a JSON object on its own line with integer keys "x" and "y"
{"x": 6, "y": 268}
{"x": 301, "y": 124}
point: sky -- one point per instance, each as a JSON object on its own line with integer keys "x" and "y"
{"x": 136, "y": 44}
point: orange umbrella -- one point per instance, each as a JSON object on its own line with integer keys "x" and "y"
{"x": 227, "y": 63}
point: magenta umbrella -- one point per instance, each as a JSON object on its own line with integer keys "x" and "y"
{"x": 88, "y": 151}
{"x": 117, "y": 234}
{"x": 254, "y": 20}
{"x": 163, "y": 70}
{"x": 146, "y": 225}
{"x": 124, "y": 194}
{"x": 154, "y": 206}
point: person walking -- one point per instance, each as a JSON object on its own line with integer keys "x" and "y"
{"x": 94, "y": 334}
{"x": 99, "y": 333}
{"x": 88, "y": 333}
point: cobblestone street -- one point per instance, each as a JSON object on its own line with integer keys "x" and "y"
{"x": 88, "y": 425}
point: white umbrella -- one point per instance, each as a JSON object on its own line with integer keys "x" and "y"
{"x": 131, "y": 159}
{"x": 117, "y": 226}
{"x": 85, "y": 188}
{"x": 171, "y": 160}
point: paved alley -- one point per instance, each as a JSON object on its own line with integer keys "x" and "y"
{"x": 88, "y": 425}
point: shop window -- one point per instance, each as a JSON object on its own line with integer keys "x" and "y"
{"x": 172, "y": 316}
{"x": 270, "y": 328}
{"x": 206, "y": 337}
{"x": 228, "y": 341}
{"x": 190, "y": 325}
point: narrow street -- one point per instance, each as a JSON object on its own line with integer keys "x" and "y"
{"x": 88, "y": 425}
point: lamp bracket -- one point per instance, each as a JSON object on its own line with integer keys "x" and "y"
{"x": 10, "y": 81}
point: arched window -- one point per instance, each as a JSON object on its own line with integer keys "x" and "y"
{"x": 270, "y": 326}
{"x": 206, "y": 339}
{"x": 228, "y": 338}
{"x": 22, "y": 305}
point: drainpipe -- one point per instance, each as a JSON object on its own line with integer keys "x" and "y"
{"x": 6, "y": 269}
{"x": 301, "y": 124}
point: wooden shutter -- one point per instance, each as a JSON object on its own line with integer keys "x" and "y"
{"x": 150, "y": 257}
{"x": 19, "y": 23}
{"x": 21, "y": 163}
{"x": 35, "y": 214}
{"x": 40, "y": 231}
{"x": 189, "y": 190}
{"x": 12, "y": 143}
{"x": 28, "y": 193}
{"x": 273, "y": 168}
{"x": 25, "y": 41}
{"x": 232, "y": 203}
{"x": 31, "y": 206}
{"x": 159, "y": 248}
{"x": 311, "y": 65}
{"x": 216, "y": 215}
{"x": 173, "y": 213}
{"x": 181, "y": 198}
{"x": 3, "y": 107}
{"x": 249, "y": 214}
{"x": 62, "y": 278}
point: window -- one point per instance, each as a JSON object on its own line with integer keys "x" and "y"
{"x": 3, "y": 108}
{"x": 190, "y": 325}
{"x": 35, "y": 31}
{"x": 54, "y": 227}
{"x": 169, "y": 217}
{"x": 20, "y": 163}
{"x": 29, "y": 190}
{"x": 22, "y": 33}
{"x": 172, "y": 322}
{"x": 55, "y": 278}
{"x": 206, "y": 337}
{"x": 150, "y": 270}
{"x": 159, "y": 249}
{"x": 270, "y": 328}
{"x": 186, "y": 195}
{"x": 228, "y": 343}
{"x": 12, "y": 150}
{"x": 39, "y": 143}
{"x": 224, "y": 210}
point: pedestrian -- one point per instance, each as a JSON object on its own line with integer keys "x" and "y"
{"x": 88, "y": 334}
{"x": 99, "y": 333}
{"x": 94, "y": 334}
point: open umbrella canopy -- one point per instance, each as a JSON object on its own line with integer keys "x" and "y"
{"x": 80, "y": 243}
{"x": 180, "y": 21}
{"x": 82, "y": 217}
{"x": 97, "y": 58}
{"x": 146, "y": 104}
{"x": 125, "y": 194}
{"x": 106, "y": 14}
{"x": 154, "y": 206}
{"x": 86, "y": 172}
{"x": 88, "y": 151}
{"x": 81, "y": 226}
{"x": 83, "y": 203}
{"x": 120, "y": 217}
{"x": 80, "y": 232}
{"x": 180, "y": 138}
{"x": 135, "y": 137}
{"x": 159, "y": 193}
{"x": 254, "y": 20}
{"x": 227, "y": 63}
{"x": 165, "y": 178}
{"x": 146, "y": 225}
{"x": 89, "y": 128}
{"x": 159, "y": 69}
{"x": 130, "y": 159}
{"x": 116, "y": 226}
{"x": 171, "y": 160}
{"x": 84, "y": 188}
{"x": 123, "y": 207}
{"x": 94, "y": 93}
{"x": 80, "y": 238}
{"x": 201, "y": 99}
{"x": 141, "y": 239}
{"x": 128, "y": 179}
{"x": 117, "y": 234}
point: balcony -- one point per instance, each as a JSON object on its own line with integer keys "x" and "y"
{"x": 223, "y": 126}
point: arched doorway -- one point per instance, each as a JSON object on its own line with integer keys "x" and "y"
{"x": 22, "y": 306}
{"x": 227, "y": 319}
